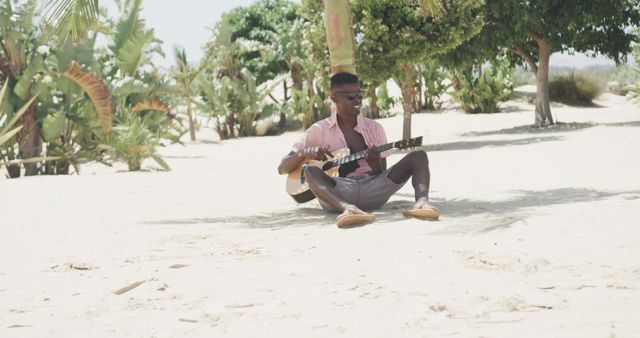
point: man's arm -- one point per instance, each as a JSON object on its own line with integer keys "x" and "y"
{"x": 290, "y": 162}
{"x": 377, "y": 163}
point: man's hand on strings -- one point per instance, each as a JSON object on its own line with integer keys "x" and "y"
{"x": 316, "y": 153}
{"x": 373, "y": 159}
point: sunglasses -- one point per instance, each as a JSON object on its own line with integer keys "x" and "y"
{"x": 352, "y": 96}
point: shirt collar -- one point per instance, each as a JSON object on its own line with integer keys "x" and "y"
{"x": 333, "y": 121}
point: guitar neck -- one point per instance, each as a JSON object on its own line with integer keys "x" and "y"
{"x": 359, "y": 155}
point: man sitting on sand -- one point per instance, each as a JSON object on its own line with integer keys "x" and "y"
{"x": 366, "y": 184}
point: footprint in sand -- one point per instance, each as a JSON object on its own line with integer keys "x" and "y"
{"x": 240, "y": 252}
{"x": 73, "y": 267}
{"x": 484, "y": 261}
{"x": 486, "y": 309}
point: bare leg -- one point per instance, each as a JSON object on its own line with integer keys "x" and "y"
{"x": 416, "y": 166}
{"x": 324, "y": 187}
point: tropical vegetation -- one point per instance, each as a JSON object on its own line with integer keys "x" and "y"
{"x": 266, "y": 69}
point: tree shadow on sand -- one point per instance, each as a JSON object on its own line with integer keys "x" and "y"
{"x": 559, "y": 127}
{"x": 464, "y": 216}
{"x": 622, "y": 124}
{"x": 294, "y": 217}
{"x": 469, "y": 145}
{"x": 476, "y": 216}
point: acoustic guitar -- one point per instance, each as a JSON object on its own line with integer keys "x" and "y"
{"x": 297, "y": 186}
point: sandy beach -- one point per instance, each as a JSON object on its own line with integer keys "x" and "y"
{"x": 539, "y": 237}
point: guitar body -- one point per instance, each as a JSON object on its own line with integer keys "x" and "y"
{"x": 300, "y": 191}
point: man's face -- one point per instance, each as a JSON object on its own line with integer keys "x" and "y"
{"x": 348, "y": 99}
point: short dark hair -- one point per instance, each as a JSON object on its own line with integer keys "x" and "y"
{"x": 340, "y": 79}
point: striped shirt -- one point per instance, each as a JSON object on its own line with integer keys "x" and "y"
{"x": 327, "y": 134}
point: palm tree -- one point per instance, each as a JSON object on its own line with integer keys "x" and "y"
{"x": 18, "y": 58}
{"x": 72, "y": 17}
{"x": 288, "y": 46}
{"x": 223, "y": 53}
{"x": 185, "y": 75}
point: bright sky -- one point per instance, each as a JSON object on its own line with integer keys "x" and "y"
{"x": 187, "y": 23}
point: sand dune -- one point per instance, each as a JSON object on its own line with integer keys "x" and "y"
{"x": 539, "y": 237}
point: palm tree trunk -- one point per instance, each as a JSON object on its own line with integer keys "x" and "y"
{"x": 340, "y": 37}
{"x": 62, "y": 167}
{"x": 29, "y": 141}
{"x": 231, "y": 124}
{"x": 49, "y": 168}
{"x": 192, "y": 128}
{"x": 13, "y": 170}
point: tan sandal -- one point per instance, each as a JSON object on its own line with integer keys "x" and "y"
{"x": 349, "y": 220}
{"x": 429, "y": 214}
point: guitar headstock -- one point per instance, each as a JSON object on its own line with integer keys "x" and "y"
{"x": 410, "y": 143}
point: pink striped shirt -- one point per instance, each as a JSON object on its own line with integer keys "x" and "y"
{"x": 327, "y": 134}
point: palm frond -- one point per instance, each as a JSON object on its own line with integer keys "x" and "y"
{"x": 72, "y": 17}
{"x": 154, "y": 105}
{"x": 9, "y": 124}
{"x": 132, "y": 52}
{"x": 97, "y": 91}
{"x": 181, "y": 57}
{"x": 160, "y": 161}
{"x": 4, "y": 137}
{"x": 6, "y": 131}
{"x": 132, "y": 24}
{"x": 19, "y": 114}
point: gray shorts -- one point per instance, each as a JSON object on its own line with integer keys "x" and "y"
{"x": 365, "y": 192}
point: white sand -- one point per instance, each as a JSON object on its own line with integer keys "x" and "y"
{"x": 539, "y": 237}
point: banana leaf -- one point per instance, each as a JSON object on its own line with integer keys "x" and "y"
{"x": 53, "y": 126}
{"x": 96, "y": 89}
{"x": 4, "y": 137}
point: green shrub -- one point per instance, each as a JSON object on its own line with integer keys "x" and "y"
{"x": 617, "y": 77}
{"x": 299, "y": 107}
{"x": 133, "y": 140}
{"x": 521, "y": 77}
{"x": 617, "y": 88}
{"x": 576, "y": 88}
{"x": 634, "y": 91}
{"x": 384, "y": 101}
{"x": 481, "y": 93}
{"x": 435, "y": 84}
